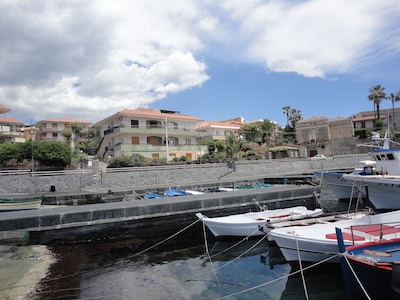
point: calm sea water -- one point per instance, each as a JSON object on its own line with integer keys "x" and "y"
{"x": 187, "y": 266}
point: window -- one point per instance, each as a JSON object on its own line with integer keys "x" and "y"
{"x": 54, "y": 134}
{"x": 54, "y": 125}
{"x": 154, "y": 141}
{"x": 188, "y": 141}
{"x": 134, "y": 124}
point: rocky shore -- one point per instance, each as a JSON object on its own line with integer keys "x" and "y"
{"x": 22, "y": 268}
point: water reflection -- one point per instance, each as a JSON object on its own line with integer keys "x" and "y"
{"x": 183, "y": 268}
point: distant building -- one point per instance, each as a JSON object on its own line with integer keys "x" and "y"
{"x": 218, "y": 131}
{"x": 152, "y": 133}
{"x": 366, "y": 119}
{"x": 318, "y": 133}
{"x": 10, "y": 131}
{"x": 54, "y": 129}
{"x": 10, "y": 128}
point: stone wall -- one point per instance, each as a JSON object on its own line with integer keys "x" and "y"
{"x": 171, "y": 176}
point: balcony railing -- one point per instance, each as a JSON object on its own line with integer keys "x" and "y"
{"x": 153, "y": 130}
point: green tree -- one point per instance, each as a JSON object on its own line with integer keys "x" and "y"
{"x": 220, "y": 145}
{"x": 53, "y": 153}
{"x": 233, "y": 145}
{"x": 211, "y": 147}
{"x": 120, "y": 162}
{"x": 251, "y": 132}
{"x": 376, "y": 94}
{"x": 267, "y": 128}
{"x": 67, "y": 134}
{"x": 294, "y": 116}
{"x": 7, "y": 152}
{"x": 23, "y": 151}
{"x": 286, "y": 111}
{"x": 394, "y": 98}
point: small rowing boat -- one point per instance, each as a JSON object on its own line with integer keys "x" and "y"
{"x": 20, "y": 204}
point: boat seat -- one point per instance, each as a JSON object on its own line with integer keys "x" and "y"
{"x": 375, "y": 229}
{"x": 346, "y": 236}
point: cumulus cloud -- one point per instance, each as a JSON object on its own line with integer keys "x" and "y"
{"x": 314, "y": 38}
{"x": 88, "y": 59}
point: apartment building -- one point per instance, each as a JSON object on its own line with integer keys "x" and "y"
{"x": 150, "y": 132}
{"x": 10, "y": 128}
{"x": 53, "y": 129}
{"x": 218, "y": 131}
{"x": 366, "y": 119}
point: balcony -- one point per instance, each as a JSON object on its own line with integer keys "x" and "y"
{"x": 151, "y": 131}
{"x": 151, "y": 148}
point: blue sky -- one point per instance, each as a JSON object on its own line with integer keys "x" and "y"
{"x": 215, "y": 60}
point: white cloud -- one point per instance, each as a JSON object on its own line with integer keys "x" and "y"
{"x": 313, "y": 38}
{"x": 91, "y": 58}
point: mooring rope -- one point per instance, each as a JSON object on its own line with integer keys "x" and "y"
{"x": 238, "y": 243}
{"x": 356, "y": 277}
{"x": 164, "y": 240}
{"x": 231, "y": 261}
{"x": 277, "y": 279}
{"x": 208, "y": 252}
{"x": 301, "y": 269}
{"x": 110, "y": 264}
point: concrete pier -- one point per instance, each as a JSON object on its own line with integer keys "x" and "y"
{"x": 147, "y": 213}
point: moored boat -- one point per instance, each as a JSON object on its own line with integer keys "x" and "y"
{"x": 11, "y": 204}
{"x": 382, "y": 190}
{"x": 380, "y": 178}
{"x": 346, "y": 189}
{"x": 316, "y": 243}
{"x": 254, "y": 223}
{"x": 152, "y": 196}
{"x": 174, "y": 192}
{"x": 371, "y": 269}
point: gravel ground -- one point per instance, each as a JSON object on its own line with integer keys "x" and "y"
{"x": 22, "y": 267}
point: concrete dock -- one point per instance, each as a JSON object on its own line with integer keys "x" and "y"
{"x": 67, "y": 221}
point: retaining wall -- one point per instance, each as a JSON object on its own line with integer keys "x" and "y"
{"x": 169, "y": 176}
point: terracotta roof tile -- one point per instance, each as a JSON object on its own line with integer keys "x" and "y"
{"x": 11, "y": 121}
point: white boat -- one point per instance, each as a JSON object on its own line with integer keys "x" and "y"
{"x": 11, "y": 204}
{"x": 316, "y": 243}
{"x": 193, "y": 192}
{"x": 254, "y": 223}
{"x": 383, "y": 180}
{"x": 346, "y": 189}
{"x": 382, "y": 190}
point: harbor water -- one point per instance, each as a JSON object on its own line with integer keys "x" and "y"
{"x": 187, "y": 265}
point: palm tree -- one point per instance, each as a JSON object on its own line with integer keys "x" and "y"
{"x": 295, "y": 116}
{"x": 267, "y": 128}
{"x": 286, "y": 111}
{"x": 394, "y": 98}
{"x": 233, "y": 144}
{"x": 376, "y": 94}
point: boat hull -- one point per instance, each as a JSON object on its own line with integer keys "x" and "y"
{"x": 383, "y": 191}
{"x": 315, "y": 243}
{"x": 254, "y": 223}
{"x": 342, "y": 189}
{"x": 376, "y": 267}
{"x": 20, "y": 204}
